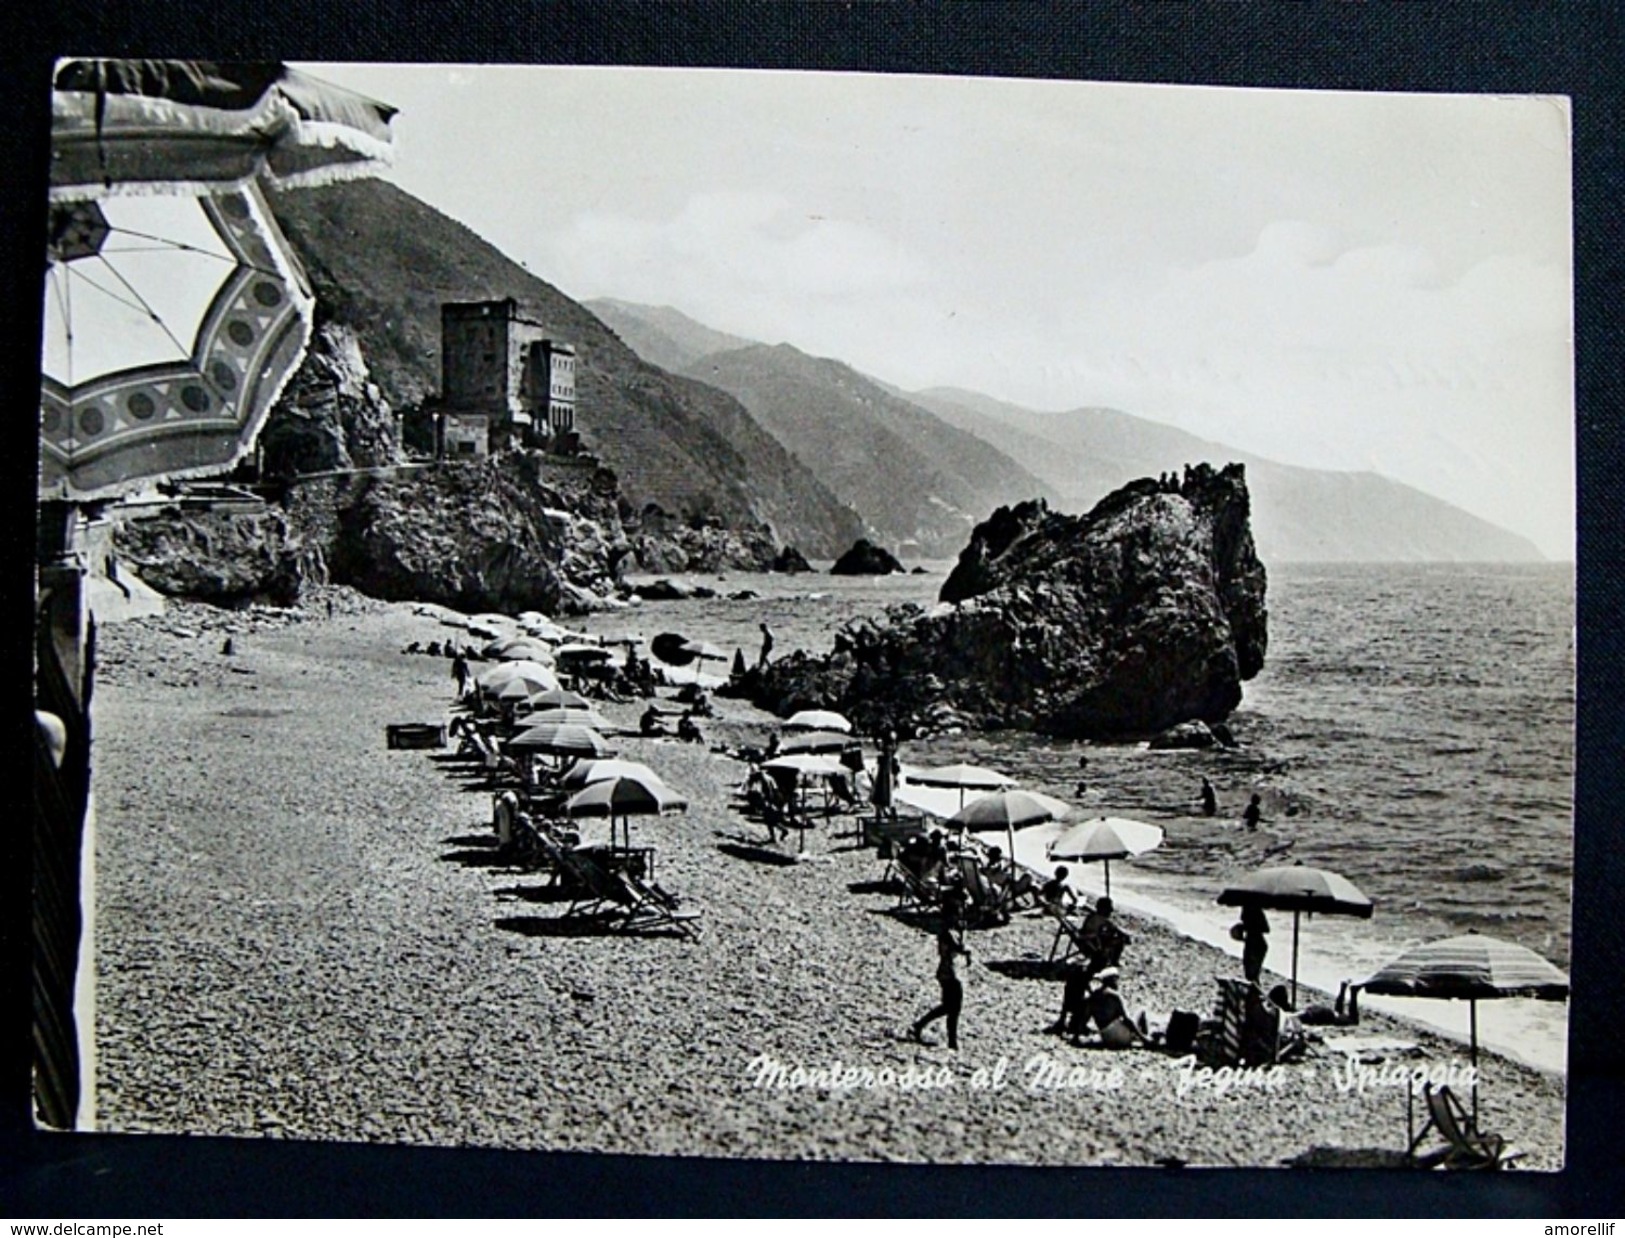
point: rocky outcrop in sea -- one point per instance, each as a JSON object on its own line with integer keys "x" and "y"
{"x": 866, "y": 559}
{"x": 1147, "y": 612}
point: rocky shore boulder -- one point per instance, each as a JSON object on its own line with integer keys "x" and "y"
{"x": 476, "y": 536}
{"x": 790, "y": 561}
{"x": 227, "y": 558}
{"x": 866, "y": 559}
{"x": 1145, "y": 613}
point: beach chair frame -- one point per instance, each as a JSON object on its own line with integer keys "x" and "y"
{"x": 1466, "y": 1147}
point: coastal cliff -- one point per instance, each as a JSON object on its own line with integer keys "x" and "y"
{"x": 1146, "y": 612}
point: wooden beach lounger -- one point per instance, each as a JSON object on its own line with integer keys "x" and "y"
{"x": 626, "y": 904}
{"x": 918, "y": 893}
{"x": 1466, "y": 1147}
{"x": 1075, "y": 937}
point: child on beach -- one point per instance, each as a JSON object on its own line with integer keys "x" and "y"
{"x": 1252, "y": 815}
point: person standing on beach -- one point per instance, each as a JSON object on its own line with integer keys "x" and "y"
{"x": 949, "y": 947}
{"x": 1254, "y": 927}
{"x": 767, "y": 645}
{"x": 1210, "y": 800}
{"x": 1253, "y": 814}
{"x": 459, "y": 672}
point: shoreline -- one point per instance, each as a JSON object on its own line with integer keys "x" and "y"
{"x": 303, "y": 935}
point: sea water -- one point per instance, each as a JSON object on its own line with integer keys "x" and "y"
{"x": 1412, "y": 729}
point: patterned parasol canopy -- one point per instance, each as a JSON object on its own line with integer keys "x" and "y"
{"x": 175, "y": 310}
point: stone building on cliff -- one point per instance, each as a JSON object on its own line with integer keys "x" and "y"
{"x": 504, "y": 382}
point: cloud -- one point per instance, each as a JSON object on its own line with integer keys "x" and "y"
{"x": 727, "y": 247}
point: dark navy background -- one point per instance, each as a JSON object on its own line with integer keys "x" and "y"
{"x": 1500, "y": 47}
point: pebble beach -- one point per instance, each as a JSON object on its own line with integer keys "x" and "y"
{"x": 303, "y": 934}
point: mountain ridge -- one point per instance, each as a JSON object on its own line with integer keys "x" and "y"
{"x": 382, "y": 263}
{"x": 1300, "y": 514}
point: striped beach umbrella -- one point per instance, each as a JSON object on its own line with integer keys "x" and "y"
{"x": 1298, "y": 888}
{"x": 1470, "y": 968}
{"x": 561, "y": 739}
{"x": 583, "y": 773}
{"x": 578, "y": 715}
{"x": 625, "y": 798}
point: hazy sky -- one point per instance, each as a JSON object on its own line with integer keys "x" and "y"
{"x": 1335, "y": 280}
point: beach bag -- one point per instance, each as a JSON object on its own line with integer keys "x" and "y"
{"x": 1238, "y": 932}
{"x": 1181, "y": 1034}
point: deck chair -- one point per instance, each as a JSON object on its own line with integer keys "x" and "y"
{"x": 988, "y": 903}
{"x": 626, "y": 905}
{"x": 1093, "y": 937}
{"x": 1219, "y": 1040}
{"x": 1466, "y": 1147}
{"x": 918, "y": 893}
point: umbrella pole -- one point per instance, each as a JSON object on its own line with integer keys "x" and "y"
{"x": 1108, "y": 865}
{"x": 1472, "y": 1015}
{"x": 1295, "y": 916}
{"x": 1011, "y": 830}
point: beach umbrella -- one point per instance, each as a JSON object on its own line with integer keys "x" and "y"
{"x": 600, "y": 770}
{"x": 671, "y": 647}
{"x": 577, "y": 652}
{"x": 806, "y": 763}
{"x": 558, "y": 698}
{"x": 1105, "y": 839}
{"x": 519, "y": 684}
{"x": 539, "y": 677}
{"x": 527, "y": 651}
{"x": 561, "y": 739}
{"x": 576, "y": 715}
{"x": 1298, "y": 888}
{"x": 624, "y": 798}
{"x": 815, "y": 741}
{"x": 818, "y": 720}
{"x": 704, "y": 651}
{"x": 961, "y": 777}
{"x": 791, "y": 770}
{"x": 1470, "y": 968}
{"x": 1010, "y": 810}
{"x": 175, "y": 311}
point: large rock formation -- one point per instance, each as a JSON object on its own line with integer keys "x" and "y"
{"x": 866, "y": 559}
{"x": 1147, "y": 612}
{"x": 332, "y": 415}
{"x": 487, "y": 535}
{"x": 228, "y": 558}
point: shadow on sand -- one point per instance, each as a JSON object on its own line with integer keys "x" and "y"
{"x": 555, "y": 893}
{"x": 1026, "y": 969}
{"x": 577, "y": 926}
{"x": 756, "y": 853}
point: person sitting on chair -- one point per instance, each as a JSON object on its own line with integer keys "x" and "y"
{"x": 650, "y": 724}
{"x": 1107, "y": 1012}
{"x": 1103, "y": 941}
{"x": 1055, "y": 892}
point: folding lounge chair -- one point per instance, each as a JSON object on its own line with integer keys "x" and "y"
{"x": 918, "y": 892}
{"x": 1466, "y": 1147}
{"x": 1097, "y": 939}
{"x": 989, "y": 904}
{"x": 1219, "y": 1042}
{"x": 625, "y": 905}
